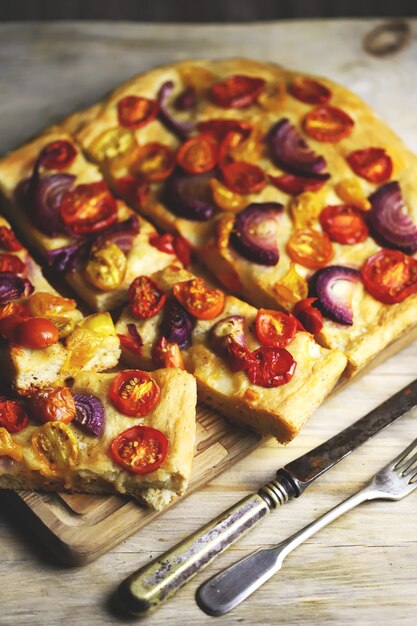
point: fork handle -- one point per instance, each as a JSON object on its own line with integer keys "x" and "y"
{"x": 230, "y": 587}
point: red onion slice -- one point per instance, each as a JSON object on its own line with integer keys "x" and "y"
{"x": 186, "y": 100}
{"x": 90, "y": 415}
{"x": 333, "y": 287}
{"x": 134, "y": 334}
{"x": 13, "y": 287}
{"x": 292, "y": 153}
{"x": 390, "y": 221}
{"x": 181, "y": 129}
{"x": 190, "y": 196}
{"x": 177, "y": 325}
{"x": 67, "y": 259}
{"x": 225, "y": 331}
{"x": 122, "y": 234}
{"x": 255, "y": 233}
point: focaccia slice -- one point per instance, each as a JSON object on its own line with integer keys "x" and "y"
{"x": 58, "y": 457}
{"x": 279, "y": 411}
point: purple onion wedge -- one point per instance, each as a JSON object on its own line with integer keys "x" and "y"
{"x": 186, "y": 100}
{"x": 333, "y": 287}
{"x": 68, "y": 258}
{"x": 292, "y": 153}
{"x": 135, "y": 335}
{"x": 177, "y": 325}
{"x": 13, "y": 287}
{"x": 90, "y": 415}
{"x": 121, "y": 233}
{"x": 390, "y": 221}
{"x": 225, "y": 331}
{"x": 255, "y": 233}
{"x": 189, "y": 196}
{"x": 181, "y": 129}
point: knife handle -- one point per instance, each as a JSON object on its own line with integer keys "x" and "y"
{"x": 151, "y": 585}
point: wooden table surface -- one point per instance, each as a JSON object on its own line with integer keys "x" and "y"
{"x": 360, "y": 570}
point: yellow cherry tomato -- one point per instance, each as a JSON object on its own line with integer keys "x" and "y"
{"x": 306, "y": 208}
{"x": 225, "y": 199}
{"x": 55, "y": 446}
{"x": 8, "y": 447}
{"x": 44, "y": 304}
{"x": 65, "y": 325}
{"x": 100, "y": 323}
{"x": 272, "y": 98}
{"x": 291, "y": 288}
{"x": 106, "y": 267}
{"x": 117, "y": 146}
{"x": 351, "y": 192}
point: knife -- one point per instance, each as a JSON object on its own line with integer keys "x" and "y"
{"x": 150, "y": 586}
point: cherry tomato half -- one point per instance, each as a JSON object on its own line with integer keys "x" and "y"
{"x": 198, "y": 299}
{"x": 166, "y": 354}
{"x": 155, "y": 162}
{"x": 240, "y": 357}
{"x": 133, "y": 112}
{"x": 273, "y": 367}
{"x": 53, "y": 404}
{"x": 129, "y": 343}
{"x": 134, "y": 191}
{"x": 220, "y": 128}
{"x": 244, "y": 178}
{"x": 308, "y": 315}
{"x": 134, "y": 393}
{"x": 58, "y": 155}
{"x": 145, "y": 297}
{"x": 237, "y": 91}
{"x": 372, "y": 164}
{"x": 56, "y": 447}
{"x": 88, "y": 208}
{"x": 198, "y": 154}
{"x": 36, "y": 332}
{"x": 11, "y": 263}
{"x": 390, "y": 276}
{"x": 12, "y": 416}
{"x": 344, "y": 224}
{"x": 294, "y": 185}
{"x": 43, "y": 303}
{"x": 328, "y": 123}
{"x": 309, "y": 91}
{"x": 8, "y": 240}
{"x": 310, "y": 248}
{"x": 11, "y": 315}
{"x": 140, "y": 449}
{"x": 274, "y": 328}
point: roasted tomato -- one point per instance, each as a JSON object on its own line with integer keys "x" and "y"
{"x": 8, "y": 241}
{"x": 55, "y": 446}
{"x": 11, "y": 315}
{"x": 198, "y": 299}
{"x": 220, "y": 128}
{"x": 88, "y": 208}
{"x": 140, "y": 449}
{"x": 328, "y": 123}
{"x": 58, "y": 155}
{"x": 133, "y": 112}
{"x": 274, "y": 328}
{"x": 272, "y": 99}
{"x": 166, "y": 354}
{"x": 12, "y": 416}
{"x": 45, "y": 304}
{"x": 131, "y": 343}
{"x": 290, "y": 288}
{"x": 134, "y": 393}
{"x": 134, "y": 191}
{"x": 294, "y": 185}
{"x": 227, "y": 147}
{"x": 173, "y": 244}
{"x": 237, "y": 91}
{"x": 350, "y": 191}
{"x": 11, "y": 263}
{"x": 310, "y": 248}
{"x": 65, "y": 325}
{"x": 198, "y": 154}
{"x": 308, "y": 315}
{"x": 225, "y": 199}
{"x": 390, "y": 276}
{"x": 155, "y": 162}
{"x": 344, "y": 224}
{"x": 145, "y": 297}
{"x": 240, "y": 357}
{"x": 106, "y": 267}
{"x": 309, "y": 91}
{"x": 36, "y": 332}
{"x": 273, "y": 367}
{"x": 373, "y": 164}
{"x": 116, "y": 145}
{"x": 53, "y": 404}
{"x": 244, "y": 178}
{"x": 8, "y": 447}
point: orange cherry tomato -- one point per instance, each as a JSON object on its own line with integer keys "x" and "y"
{"x": 244, "y": 178}
{"x": 344, "y": 224}
{"x": 155, "y": 162}
{"x": 53, "y": 404}
{"x": 140, "y": 449}
{"x": 294, "y": 185}
{"x": 11, "y": 315}
{"x": 328, "y": 123}
{"x": 8, "y": 240}
{"x": 134, "y": 191}
{"x": 198, "y": 154}
{"x": 47, "y": 304}
{"x": 390, "y": 276}
{"x": 310, "y": 248}
{"x": 308, "y": 315}
{"x": 11, "y": 263}
{"x": 145, "y": 297}
{"x": 133, "y": 112}
{"x": 274, "y": 328}
{"x": 12, "y": 416}
{"x": 88, "y": 208}
{"x": 166, "y": 354}
{"x": 134, "y": 393}
{"x": 58, "y": 155}
{"x": 273, "y": 367}
{"x": 309, "y": 91}
{"x": 200, "y": 301}
{"x": 237, "y": 91}
{"x": 220, "y": 128}
{"x": 36, "y": 332}
{"x": 225, "y": 199}
{"x": 372, "y": 164}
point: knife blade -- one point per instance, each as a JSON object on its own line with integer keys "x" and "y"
{"x": 147, "y": 588}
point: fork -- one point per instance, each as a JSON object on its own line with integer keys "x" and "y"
{"x": 224, "y": 591}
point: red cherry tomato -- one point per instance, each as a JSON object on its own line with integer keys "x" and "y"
{"x": 390, "y": 276}
{"x": 36, "y": 332}
{"x": 134, "y": 393}
{"x": 88, "y": 208}
{"x": 134, "y": 112}
{"x": 11, "y": 315}
{"x": 273, "y": 367}
{"x": 294, "y": 185}
{"x": 11, "y": 263}
{"x": 154, "y": 162}
{"x": 166, "y": 354}
{"x": 198, "y": 299}
{"x": 8, "y": 241}
{"x": 328, "y": 123}
{"x": 145, "y": 297}
{"x": 274, "y": 328}
{"x": 140, "y": 449}
{"x": 372, "y": 164}
{"x": 237, "y": 91}
{"x": 58, "y": 155}
{"x": 344, "y": 224}
{"x": 308, "y": 315}
{"x": 309, "y": 91}
{"x": 53, "y": 404}
{"x": 310, "y": 248}
{"x": 240, "y": 357}
{"x": 173, "y": 244}
{"x": 128, "y": 343}
{"x": 244, "y": 178}
{"x": 12, "y": 416}
{"x": 134, "y": 191}
{"x": 198, "y": 154}
{"x": 220, "y": 128}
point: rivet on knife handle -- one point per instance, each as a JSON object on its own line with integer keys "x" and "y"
{"x": 150, "y": 586}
